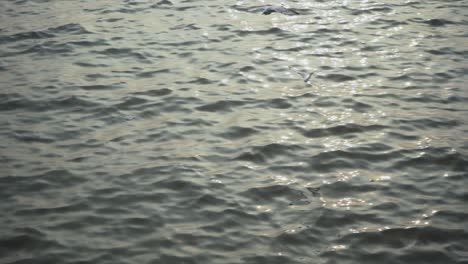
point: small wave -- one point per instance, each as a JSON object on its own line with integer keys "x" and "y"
{"x": 447, "y": 51}
{"x": 48, "y": 48}
{"x": 67, "y": 29}
{"x": 278, "y": 103}
{"x": 260, "y": 154}
{"x": 155, "y": 92}
{"x": 425, "y": 123}
{"x": 332, "y": 219}
{"x": 123, "y": 52}
{"x": 272, "y": 31}
{"x": 339, "y": 130}
{"x": 99, "y": 87}
{"x": 269, "y": 194}
{"x": 434, "y": 22}
{"x": 436, "y": 159}
{"x": 238, "y": 132}
{"x": 150, "y": 74}
{"x": 33, "y": 137}
{"x": 220, "y": 106}
{"x": 338, "y": 77}
{"x": 73, "y": 102}
{"x": 371, "y": 10}
{"x": 400, "y": 238}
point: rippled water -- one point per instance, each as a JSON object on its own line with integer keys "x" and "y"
{"x": 183, "y": 132}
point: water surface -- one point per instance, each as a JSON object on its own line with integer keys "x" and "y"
{"x": 183, "y": 132}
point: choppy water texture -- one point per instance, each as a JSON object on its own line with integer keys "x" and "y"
{"x": 183, "y": 132}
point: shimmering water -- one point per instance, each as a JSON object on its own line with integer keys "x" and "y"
{"x": 183, "y": 132}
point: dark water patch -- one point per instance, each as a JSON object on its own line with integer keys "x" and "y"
{"x": 223, "y": 27}
{"x": 273, "y": 259}
{"x": 214, "y": 66}
{"x": 335, "y": 164}
{"x": 436, "y": 159}
{"x": 260, "y": 154}
{"x": 400, "y": 238}
{"x": 269, "y": 194}
{"x": 357, "y": 106}
{"x": 185, "y": 8}
{"x": 72, "y": 28}
{"x": 49, "y": 48}
{"x": 386, "y": 24}
{"x": 122, "y": 52}
{"x": 99, "y": 87}
{"x": 278, "y": 103}
{"x": 406, "y": 255}
{"x": 127, "y": 199}
{"x": 410, "y": 77}
{"x": 297, "y": 239}
{"x": 67, "y": 29}
{"x": 237, "y": 132}
{"x": 82, "y": 159}
{"x": 373, "y": 47}
{"x": 201, "y": 80}
{"x": 404, "y": 136}
{"x": 185, "y": 54}
{"x": 18, "y": 184}
{"x": 107, "y": 115}
{"x": 89, "y": 43}
{"x": 169, "y": 104}
{"x": 448, "y": 51}
{"x": 325, "y": 30}
{"x": 338, "y": 77}
{"x": 155, "y": 92}
{"x": 125, "y": 10}
{"x": 271, "y": 31}
{"x": 188, "y": 27}
{"x": 446, "y": 217}
{"x": 131, "y": 103}
{"x": 340, "y": 130}
{"x": 90, "y": 65}
{"x": 72, "y": 102}
{"x": 426, "y": 123}
{"x": 334, "y": 219}
{"x": 150, "y": 74}
{"x": 163, "y": 2}
{"x": 434, "y": 22}
{"x": 246, "y": 69}
{"x": 47, "y": 181}
{"x": 387, "y": 206}
{"x": 206, "y": 200}
{"x": 27, "y": 242}
{"x": 221, "y": 106}
{"x": 367, "y": 75}
{"x": 341, "y": 189}
{"x": 326, "y": 101}
{"x": 26, "y": 36}
{"x": 184, "y": 44}
{"x": 371, "y": 10}
{"x": 3, "y": 67}
{"x": 61, "y": 178}
{"x": 33, "y": 137}
{"x": 431, "y": 99}
{"x": 251, "y": 157}
{"x": 96, "y": 76}
{"x": 359, "y": 157}
{"x": 183, "y": 187}
{"x": 372, "y": 148}
{"x": 109, "y": 20}
{"x": 57, "y": 210}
